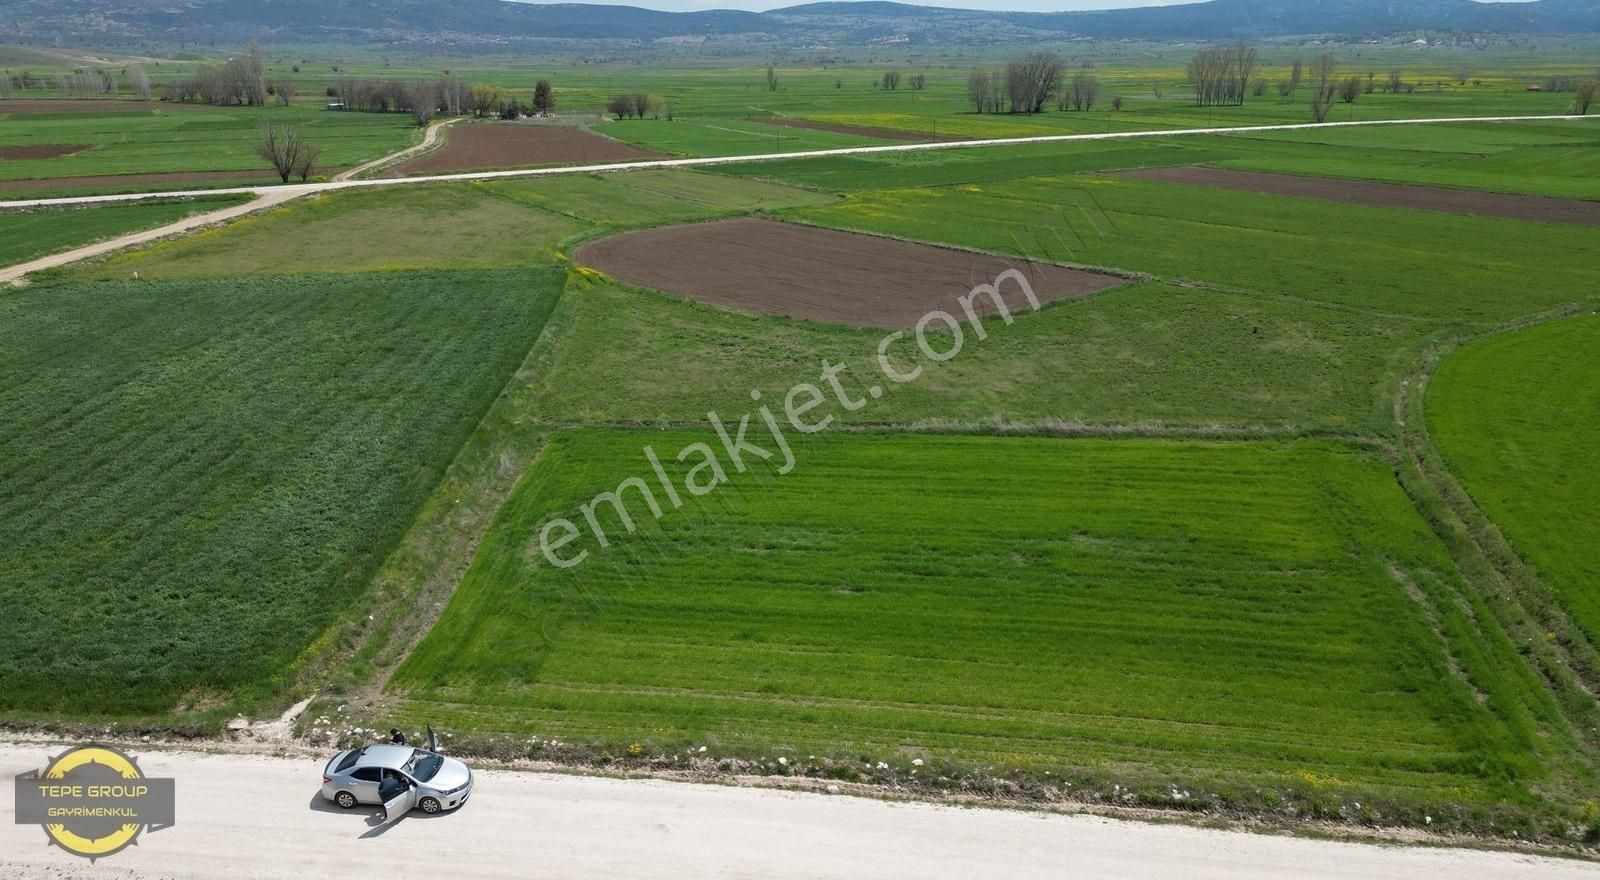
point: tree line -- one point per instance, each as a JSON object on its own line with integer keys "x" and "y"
{"x": 242, "y": 80}
{"x": 424, "y": 99}
{"x": 1221, "y": 75}
{"x": 1027, "y": 85}
{"x": 639, "y": 106}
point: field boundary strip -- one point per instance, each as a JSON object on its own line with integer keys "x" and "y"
{"x": 292, "y": 190}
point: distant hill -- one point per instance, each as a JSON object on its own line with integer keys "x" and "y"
{"x": 453, "y": 22}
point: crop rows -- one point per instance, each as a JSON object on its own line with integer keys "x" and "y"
{"x": 195, "y": 475}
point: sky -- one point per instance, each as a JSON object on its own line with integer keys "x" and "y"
{"x": 1006, "y": 5}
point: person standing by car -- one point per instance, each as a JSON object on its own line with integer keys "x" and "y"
{"x": 396, "y": 737}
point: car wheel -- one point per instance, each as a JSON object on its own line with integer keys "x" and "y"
{"x": 345, "y": 799}
{"x": 429, "y": 805}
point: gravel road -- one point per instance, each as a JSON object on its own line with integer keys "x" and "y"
{"x": 249, "y": 817}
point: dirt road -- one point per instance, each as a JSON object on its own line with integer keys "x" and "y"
{"x": 269, "y": 197}
{"x": 704, "y": 161}
{"x": 265, "y": 197}
{"x": 429, "y": 139}
{"x": 245, "y": 817}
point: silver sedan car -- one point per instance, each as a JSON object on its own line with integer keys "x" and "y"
{"x": 398, "y": 777}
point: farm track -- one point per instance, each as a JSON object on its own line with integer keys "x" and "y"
{"x": 269, "y": 196}
{"x": 265, "y": 197}
{"x": 430, "y": 139}
{"x": 14, "y": 274}
{"x": 704, "y": 161}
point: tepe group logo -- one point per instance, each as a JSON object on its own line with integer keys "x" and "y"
{"x": 94, "y": 801}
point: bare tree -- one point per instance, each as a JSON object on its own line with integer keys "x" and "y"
{"x": 344, "y": 89}
{"x": 772, "y": 78}
{"x": 1116, "y": 102}
{"x": 1033, "y": 81}
{"x": 246, "y": 77}
{"x": 484, "y": 98}
{"x": 283, "y": 90}
{"x": 620, "y": 106}
{"x": 284, "y": 148}
{"x": 422, "y": 101}
{"x": 917, "y": 81}
{"x": 1394, "y": 82}
{"x": 1322, "y": 71}
{"x": 1080, "y": 93}
{"x": 642, "y": 104}
{"x": 1583, "y": 96}
{"x": 306, "y": 164}
{"x": 1245, "y": 59}
{"x": 139, "y": 81}
{"x": 1321, "y": 103}
{"x": 1462, "y": 72}
{"x": 1221, "y": 75}
{"x": 891, "y": 79}
{"x": 1287, "y": 88}
{"x": 1323, "y": 87}
{"x": 1350, "y": 89}
{"x": 544, "y": 97}
{"x": 978, "y": 91}
{"x": 453, "y": 95}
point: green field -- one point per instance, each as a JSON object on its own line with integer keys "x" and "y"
{"x": 719, "y": 108}
{"x": 26, "y": 234}
{"x": 198, "y": 474}
{"x": 1184, "y": 535}
{"x": 1384, "y": 260}
{"x": 1149, "y": 354}
{"x": 1168, "y": 611}
{"x": 1517, "y": 418}
{"x": 163, "y": 138}
{"x": 358, "y": 231}
{"x": 455, "y": 226}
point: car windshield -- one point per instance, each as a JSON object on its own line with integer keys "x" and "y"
{"x": 423, "y": 766}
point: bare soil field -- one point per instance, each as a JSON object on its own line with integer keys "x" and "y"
{"x": 888, "y": 134}
{"x": 41, "y": 151}
{"x": 1389, "y": 195}
{"x": 23, "y": 106}
{"x": 482, "y": 145}
{"x": 116, "y": 182}
{"x": 821, "y": 274}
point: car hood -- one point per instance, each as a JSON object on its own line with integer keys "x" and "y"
{"x": 452, "y": 773}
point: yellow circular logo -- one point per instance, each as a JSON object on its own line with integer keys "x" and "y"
{"x": 94, "y": 801}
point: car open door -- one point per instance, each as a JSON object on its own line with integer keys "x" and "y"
{"x": 400, "y": 804}
{"x": 433, "y": 741}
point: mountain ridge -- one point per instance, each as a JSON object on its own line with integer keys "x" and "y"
{"x": 59, "y": 22}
